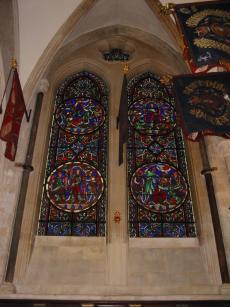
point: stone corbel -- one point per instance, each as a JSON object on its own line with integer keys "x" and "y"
{"x": 43, "y": 86}
{"x": 7, "y": 288}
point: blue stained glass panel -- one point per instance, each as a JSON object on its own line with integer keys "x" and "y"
{"x": 59, "y": 229}
{"x": 84, "y": 229}
{"x": 174, "y": 230}
{"x": 149, "y": 230}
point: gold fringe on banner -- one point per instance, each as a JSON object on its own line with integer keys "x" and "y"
{"x": 166, "y": 79}
{"x": 225, "y": 64}
{"x": 166, "y": 9}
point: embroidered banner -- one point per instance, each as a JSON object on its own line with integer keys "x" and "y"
{"x": 203, "y": 103}
{"x": 11, "y": 124}
{"x": 206, "y": 32}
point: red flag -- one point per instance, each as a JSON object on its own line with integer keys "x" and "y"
{"x": 11, "y": 124}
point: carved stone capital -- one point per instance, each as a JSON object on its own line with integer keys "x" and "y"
{"x": 43, "y": 85}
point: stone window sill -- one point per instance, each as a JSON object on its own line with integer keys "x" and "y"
{"x": 69, "y": 241}
{"x": 164, "y": 243}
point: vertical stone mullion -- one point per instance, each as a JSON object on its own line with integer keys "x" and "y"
{"x": 117, "y": 200}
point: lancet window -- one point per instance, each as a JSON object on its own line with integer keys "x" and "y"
{"x": 74, "y": 197}
{"x": 159, "y": 197}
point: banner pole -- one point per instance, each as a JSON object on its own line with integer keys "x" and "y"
{"x": 214, "y": 213}
{"x": 27, "y": 168}
{"x": 167, "y": 10}
{"x": 4, "y": 93}
{"x": 122, "y": 119}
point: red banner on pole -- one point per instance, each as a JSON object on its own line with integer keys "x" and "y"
{"x": 11, "y": 124}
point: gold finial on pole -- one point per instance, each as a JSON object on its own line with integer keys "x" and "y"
{"x": 14, "y": 63}
{"x": 225, "y": 64}
{"x": 166, "y": 9}
{"x": 126, "y": 69}
{"x": 166, "y": 79}
{"x": 13, "y": 66}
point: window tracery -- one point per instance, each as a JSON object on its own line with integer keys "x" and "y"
{"x": 74, "y": 195}
{"x": 159, "y": 198}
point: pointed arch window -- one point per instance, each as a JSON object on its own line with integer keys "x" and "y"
{"x": 74, "y": 194}
{"x": 159, "y": 198}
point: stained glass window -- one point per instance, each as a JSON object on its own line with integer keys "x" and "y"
{"x": 159, "y": 197}
{"x": 74, "y": 192}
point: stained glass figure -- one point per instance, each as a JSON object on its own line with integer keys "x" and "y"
{"x": 159, "y": 197}
{"x": 74, "y": 186}
{"x": 150, "y": 117}
{"x": 80, "y": 115}
{"x": 158, "y": 187}
{"x": 74, "y": 194}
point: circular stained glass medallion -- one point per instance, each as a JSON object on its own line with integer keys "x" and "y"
{"x": 159, "y": 187}
{"x": 80, "y": 115}
{"x": 74, "y": 186}
{"x": 148, "y": 116}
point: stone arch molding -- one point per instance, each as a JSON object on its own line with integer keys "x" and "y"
{"x": 57, "y": 43}
{"x": 164, "y": 53}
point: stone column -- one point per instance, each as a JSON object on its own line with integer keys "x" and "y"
{"x": 219, "y": 156}
{"x": 27, "y": 168}
{"x": 117, "y": 201}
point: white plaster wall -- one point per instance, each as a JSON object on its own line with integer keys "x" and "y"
{"x": 39, "y": 20}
